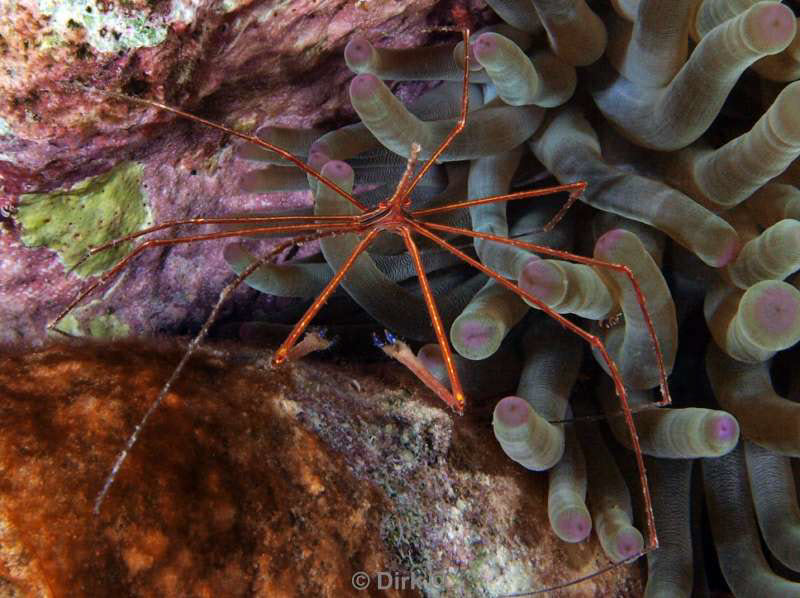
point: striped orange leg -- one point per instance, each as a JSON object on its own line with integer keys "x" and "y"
{"x": 460, "y": 123}
{"x": 282, "y": 353}
{"x": 200, "y": 221}
{"x": 565, "y": 255}
{"x": 574, "y": 189}
{"x": 153, "y": 243}
{"x": 593, "y": 340}
{"x": 456, "y": 399}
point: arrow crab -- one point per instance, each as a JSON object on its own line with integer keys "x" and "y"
{"x": 660, "y": 132}
{"x": 439, "y": 160}
{"x": 455, "y": 171}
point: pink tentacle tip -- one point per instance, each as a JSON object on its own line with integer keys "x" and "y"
{"x": 777, "y": 309}
{"x": 512, "y": 412}
{"x": 540, "y": 279}
{"x": 629, "y": 543}
{"x": 474, "y": 334}
{"x": 484, "y": 46}
{"x": 318, "y": 156}
{"x": 729, "y": 253}
{"x": 336, "y": 169}
{"x": 724, "y": 427}
{"x": 776, "y": 23}
{"x": 363, "y": 86}
{"x": 358, "y": 51}
{"x": 609, "y": 241}
{"x": 573, "y": 526}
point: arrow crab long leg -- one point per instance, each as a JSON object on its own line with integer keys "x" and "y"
{"x": 595, "y": 342}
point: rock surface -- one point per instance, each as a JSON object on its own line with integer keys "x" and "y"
{"x": 245, "y": 63}
{"x": 253, "y": 481}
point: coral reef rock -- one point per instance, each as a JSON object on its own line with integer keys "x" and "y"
{"x": 251, "y": 480}
{"x": 242, "y": 63}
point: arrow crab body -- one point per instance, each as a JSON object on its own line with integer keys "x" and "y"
{"x": 431, "y": 222}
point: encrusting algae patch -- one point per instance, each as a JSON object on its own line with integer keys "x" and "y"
{"x": 109, "y": 30}
{"x": 103, "y": 326}
{"x": 94, "y": 211}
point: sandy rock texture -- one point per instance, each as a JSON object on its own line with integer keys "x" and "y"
{"x": 253, "y": 481}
